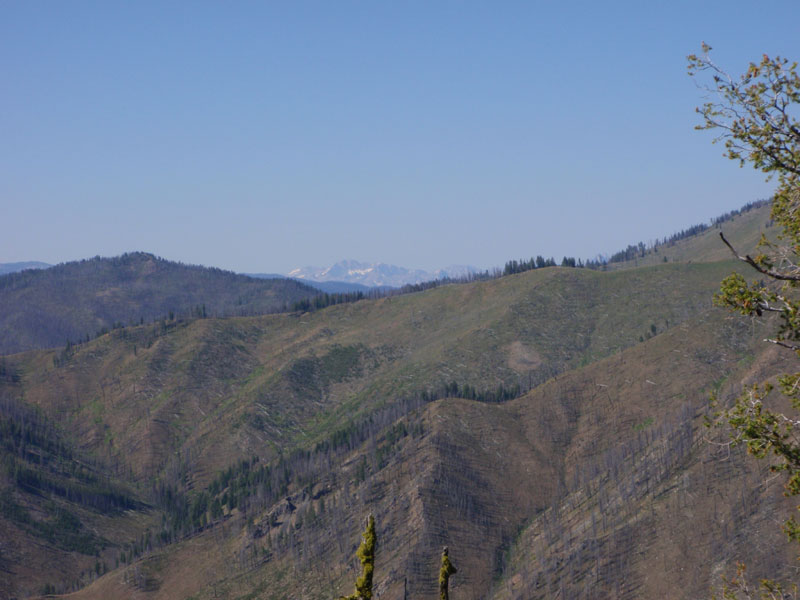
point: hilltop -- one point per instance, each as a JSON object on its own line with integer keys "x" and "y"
{"x": 72, "y": 301}
{"x": 21, "y": 266}
{"x": 701, "y": 243}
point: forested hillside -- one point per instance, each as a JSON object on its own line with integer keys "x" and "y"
{"x": 75, "y": 301}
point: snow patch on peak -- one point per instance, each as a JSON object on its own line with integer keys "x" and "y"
{"x": 377, "y": 274}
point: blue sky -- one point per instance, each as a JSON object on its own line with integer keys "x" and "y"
{"x": 263, "y": 136}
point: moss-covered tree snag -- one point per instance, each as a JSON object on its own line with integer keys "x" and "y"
{"x": 366, "y": 554}
{"x": 445, "y": 570}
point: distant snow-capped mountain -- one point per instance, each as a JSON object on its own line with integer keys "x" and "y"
{"x": 376, "y": 274}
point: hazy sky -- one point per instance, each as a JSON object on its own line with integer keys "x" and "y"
{"x": 268, "y": 135}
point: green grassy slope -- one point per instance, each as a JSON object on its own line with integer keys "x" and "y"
{"x": 222, "y": 389}
{"x": 180, "y": 402}
{"x": 743, "y": 231}
{"x": 598, "y": 483}
{"x": 45, "y": 308}
{"x": 586, "y": 486}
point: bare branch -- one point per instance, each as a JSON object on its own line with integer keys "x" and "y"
{"x": 783, "y": 344}
{"x": 770, "y": 272}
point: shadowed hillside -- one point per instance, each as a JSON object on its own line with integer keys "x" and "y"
{"x": 45, "y": 308}
{"x": 60, "y": 509}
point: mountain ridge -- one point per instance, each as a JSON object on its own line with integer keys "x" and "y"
{"x": 330, "y": 287}
{"x": 545, "y": 425}
{"x": 377, "y": 274}
{"x": 14, "y": 267}
{"x": 72, "y": 301}
{"x": 452, "y": 471}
